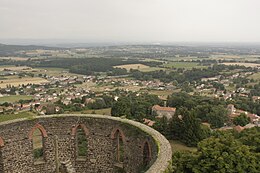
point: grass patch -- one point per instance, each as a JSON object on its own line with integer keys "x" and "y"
{"x": 106, "y": 111}
{"x": 14, "y": 98}
{"x": 141, "y": 67}
{"x": 255, "y": 76}
{"x": 151, "y": 69}
{"x": 7, "y": 117}
{"x": 186, "y": 65}
{"x": 179, "y": 146}
{"x": 16, "y": 81}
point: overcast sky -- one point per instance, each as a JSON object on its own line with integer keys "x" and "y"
{"x": 131, "y": 20}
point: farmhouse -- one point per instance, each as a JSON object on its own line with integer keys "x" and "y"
{"x": 167, "y": 112}
{"x": 233, "y": 112}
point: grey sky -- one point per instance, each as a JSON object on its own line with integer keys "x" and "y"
{"x": 132, "y": 20}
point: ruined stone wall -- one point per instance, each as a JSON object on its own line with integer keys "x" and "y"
{"x": 17, "y": 148}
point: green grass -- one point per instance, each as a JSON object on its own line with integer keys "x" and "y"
{"x": 151, "y": 69}
{"x": 186, "y": 65}
{"x": 7, "y": 117}
{"x": 178, "y": 146}
{"x": 106, "y": 111}
{"x": 255, "y": 76}
{"x": 14, "y": 98}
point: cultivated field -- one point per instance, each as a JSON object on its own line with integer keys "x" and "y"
{"x": 242, "y": 64}
{"x": 16, "y": 81}
{"x": 133, "y": 66}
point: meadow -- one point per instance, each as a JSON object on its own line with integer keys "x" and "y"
{"x": 242, "y": 64}
{"x": 106, "y": 111}
{"x": 255, "y": 76}
{"x": 141, "y": 67}
{"x": 8, "y": 117}
{"x": 178, "y": 146}
{"x": 16, "y": 81}
{"x": 14, "y": 98}
{"x": 185, "y": 65}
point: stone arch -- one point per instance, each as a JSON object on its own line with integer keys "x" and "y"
{"x": 1, "y": 142}
{"x": 120, "y": 131}
{"x": 146, "y": 153}
{"x": 79, "y": 134}
{"x": 74, "y": 129}
{"x": 118, "y": 138}
{"x": 41, "y": 128}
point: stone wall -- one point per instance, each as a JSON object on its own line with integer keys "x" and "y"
{"x": 16, "y": 155}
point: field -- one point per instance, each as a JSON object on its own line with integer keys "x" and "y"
{"x": 236, "y": 57}
{"x": 52, "y": 71}
{"x": 132, "y": 66}
{"x": 16, "y": 81}
{"x": 140, "y": 67}
{"x": 162, "y": 94}
{"x": 178, "y": 146}
{"x": 186, "y": 65}
{"x": 15, "y": 58}
{"x": 8, "y": 117}
{"x": 106, "y": 111}
{"x": 14, "y": 98}
{"x": 14, "y": 68}
{"x": 255, "y": 76}
{"x": 243, "y": 64}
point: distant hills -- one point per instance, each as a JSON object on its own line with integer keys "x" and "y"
{"x": 8, "y": 50}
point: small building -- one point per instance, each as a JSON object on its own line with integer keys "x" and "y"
{"x": 231, "y": 109}
{"x": 161, "y": 112}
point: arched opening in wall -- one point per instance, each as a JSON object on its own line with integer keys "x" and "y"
{"x": 146, "y": 154}
{"x": 118, "y": 137}
{"x": 1, "y": 156}
{"x": 38, "y": 145}
{"x": 82, "y": 143}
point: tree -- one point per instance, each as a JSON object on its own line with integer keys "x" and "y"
{"x": 50, "y": 109}
{"x": 187, "y": 128}
{"x": 120, "y": 108}
{"x": 241, "y": 120}
{"x": 218, "y": 116}
{"x": 162, "y": 125}
{"x": 251, "y": 137}
{"x": 218, "y": 154}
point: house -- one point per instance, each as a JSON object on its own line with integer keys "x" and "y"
{"x": 233, "y": 112}
{"x": 161, "y": 112}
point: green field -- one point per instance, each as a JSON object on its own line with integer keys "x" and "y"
{"x": 178, "y": 146}
{"x": 151, "y": 69}
{"x": 106, "y": 111}
{"x": 14, "y": 98}
{"x": 7, "y": 117}
{"x": 186, "y": 65}
{"x": 255, "y": 76}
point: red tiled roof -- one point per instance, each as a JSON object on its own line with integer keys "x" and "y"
{"x": 239, "y": 128}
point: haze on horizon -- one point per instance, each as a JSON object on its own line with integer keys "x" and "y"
{"x": 131, "y": 20}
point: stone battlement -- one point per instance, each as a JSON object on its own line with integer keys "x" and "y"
{"x": 142, "y": 149}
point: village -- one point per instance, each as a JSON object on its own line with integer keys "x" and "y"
{"x": 64, "y": 92}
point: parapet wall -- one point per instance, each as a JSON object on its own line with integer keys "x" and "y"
{"x": 16, "y": 152}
